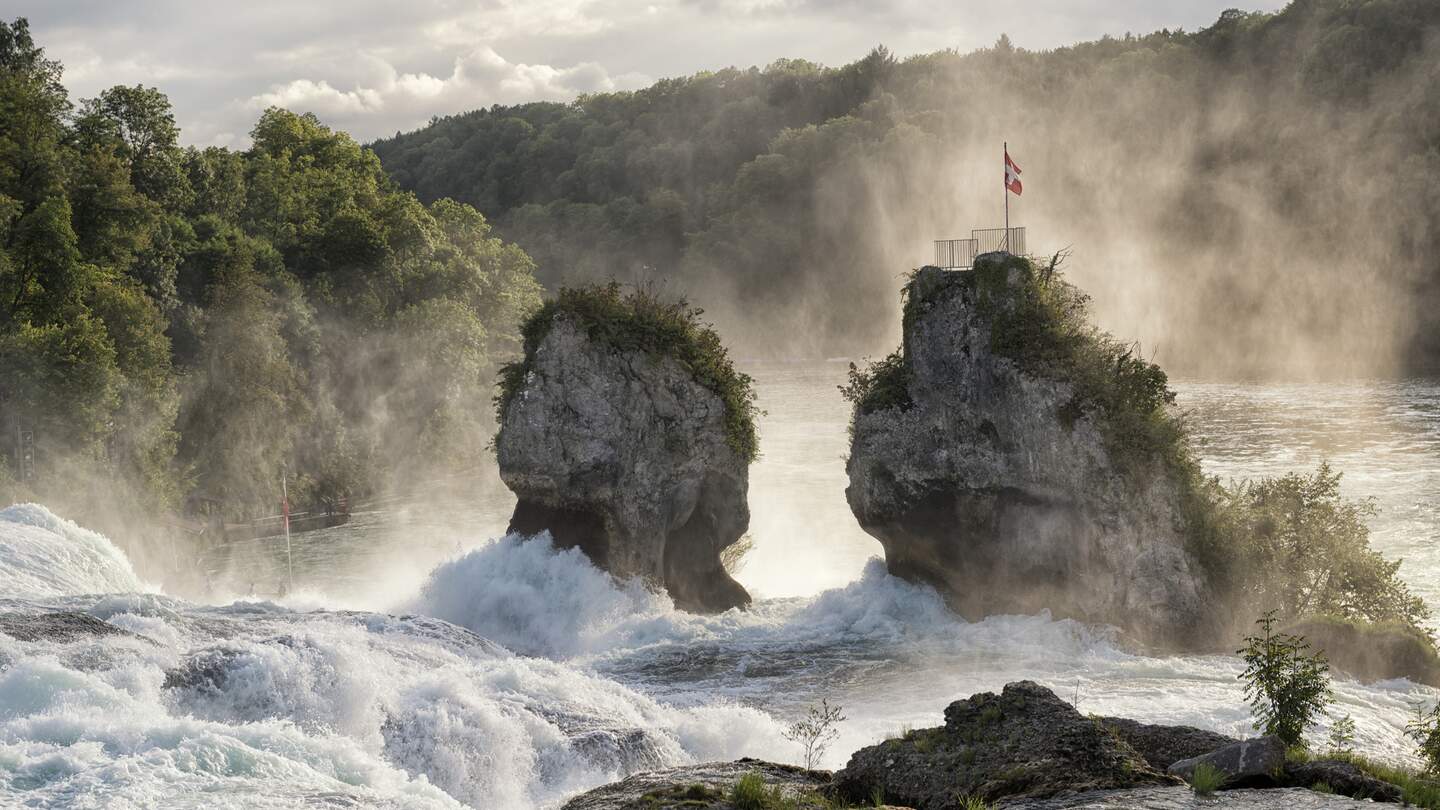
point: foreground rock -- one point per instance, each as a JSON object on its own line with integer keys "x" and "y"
{"x": 1024, "y": 742}
{"x": 1181, "y": 798}
{"x": 1246, "y": 762}
{"x": 624, "y": 454}
{"x": 991, "y": 478}
{"x": 705, "y": 787}
{"x": 1162, "y": 746}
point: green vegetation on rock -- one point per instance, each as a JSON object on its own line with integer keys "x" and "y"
{"x": 1292, "y": 544}
{"x": 639, "y": 321}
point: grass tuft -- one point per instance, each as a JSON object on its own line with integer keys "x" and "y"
{"x": 1206, "y": 779}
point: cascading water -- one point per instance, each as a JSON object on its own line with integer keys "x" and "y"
{"x": 513, "y": 675}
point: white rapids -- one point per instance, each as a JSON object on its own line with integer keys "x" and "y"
{"x": 513, "y": 675}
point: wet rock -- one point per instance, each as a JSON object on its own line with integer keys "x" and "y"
{"x": 1255, "y": 762}
{"x": 704, "y": 787}
{"x": 625, "y": 455}
{"x": 1180, "y": 798}
{"x": 994, "y": 484}
{"x": 1343, "y": 778}
{"x": 60, "y": 627}
{"x": 1022, "y": 742}
{"x": 1162, "y": 746}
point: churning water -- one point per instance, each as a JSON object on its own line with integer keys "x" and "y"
{"x": 420, "y": 663}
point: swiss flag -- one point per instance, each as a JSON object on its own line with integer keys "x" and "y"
{"x": 1012, "y": 175}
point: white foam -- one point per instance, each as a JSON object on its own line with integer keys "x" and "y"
{"x": 43, "y": 555}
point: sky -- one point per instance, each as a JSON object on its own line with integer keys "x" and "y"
{"x": 375, "y": 67}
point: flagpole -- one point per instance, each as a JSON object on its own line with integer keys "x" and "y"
{"x": 1005, "y": 180}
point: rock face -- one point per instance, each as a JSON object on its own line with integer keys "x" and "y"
{"x": 624, "y": 454}
{"x": 1024, "y": 742}
{"x": 994, "y": 484}
{"x": 704, "y": 787}
{"x": 1260, "y": 761}
{"x": 1162, "y": 746}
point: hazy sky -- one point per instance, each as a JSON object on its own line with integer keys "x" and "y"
{"x": 376, "y": 67}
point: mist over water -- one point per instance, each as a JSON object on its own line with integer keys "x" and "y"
{"x": 502, "y": 673}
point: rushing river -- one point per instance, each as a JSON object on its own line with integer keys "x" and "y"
{"x": 347, "y": 692}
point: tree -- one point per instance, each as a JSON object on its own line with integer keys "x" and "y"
{"x": 1286, "y": 685}
{"x": 1425, "y": 731}
{"x": 816, "y": 731}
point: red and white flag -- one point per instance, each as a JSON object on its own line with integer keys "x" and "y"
{"x": 1012, "y": 175}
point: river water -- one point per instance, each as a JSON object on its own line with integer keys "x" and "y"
{"x": 347, "y": 692}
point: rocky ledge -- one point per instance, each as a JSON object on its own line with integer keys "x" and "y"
{"x": 708, "y": 786}
{"x": 991, "y": 458}
{"x": 1023, "y": 749}
{"x": 622, "y": 451}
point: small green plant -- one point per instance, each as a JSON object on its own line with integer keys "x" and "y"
{"x": 1206, "y": 779}
{"x": 1287, "y": 685}
{"x": 877, "y": 796}
{"x": 749, "y": 793}
{"x": 973, "y": 803}
{"x": 1425, "y": 731}
{"x": 816, "y": 731}
{"x": 1342, "y": 735}
{"x": 1322, "y": 787}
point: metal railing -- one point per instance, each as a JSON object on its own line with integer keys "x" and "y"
{"x": 961, "y": 253}
{"x": 991, "y": 239}
{"x": 955, "y": 252}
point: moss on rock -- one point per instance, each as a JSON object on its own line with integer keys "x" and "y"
{"x": 639, "y": 321}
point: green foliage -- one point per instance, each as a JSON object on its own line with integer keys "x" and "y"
{"x": 750, "y": 793}
{"x": 1206, "y": 779}
{"x": 973, "y": 803}
{"x": 1287, "y": 686}
{"x": 640, "y": 321}
{"x": 179, "y": 322}
{"x": 1342, "y": 735}
{"x": 1425, "y": 731}
{"x": 882, "y": 385}
{"x": 1310, "y": 549}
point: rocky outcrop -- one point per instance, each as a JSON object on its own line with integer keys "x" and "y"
{"x": 1343, "y": 778}
{"x": 1180, "y": 798}
{"x": 705, "y": 787}
{"x": 1024, "y": 742}
{"x": 625, "y": 455}
{"x": 984, "y": 471}
{"x": 59, "y": 627}
{"x": 1257, "y": 762}
{"x": 1162, "y": 746}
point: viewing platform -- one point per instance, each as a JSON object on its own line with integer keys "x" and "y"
{"x": 960, "y": 254}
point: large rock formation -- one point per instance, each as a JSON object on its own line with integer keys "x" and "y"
{"x": 623, "y": 453}
{"x": 985, "y": 470}
{"x": 1024, "y": 742}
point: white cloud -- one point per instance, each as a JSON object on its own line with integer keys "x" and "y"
{"x": 375, "y": 66}
{"x": 395, "y": 100}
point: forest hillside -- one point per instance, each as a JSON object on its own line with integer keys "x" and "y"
{"x": 1255, "y": 198}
